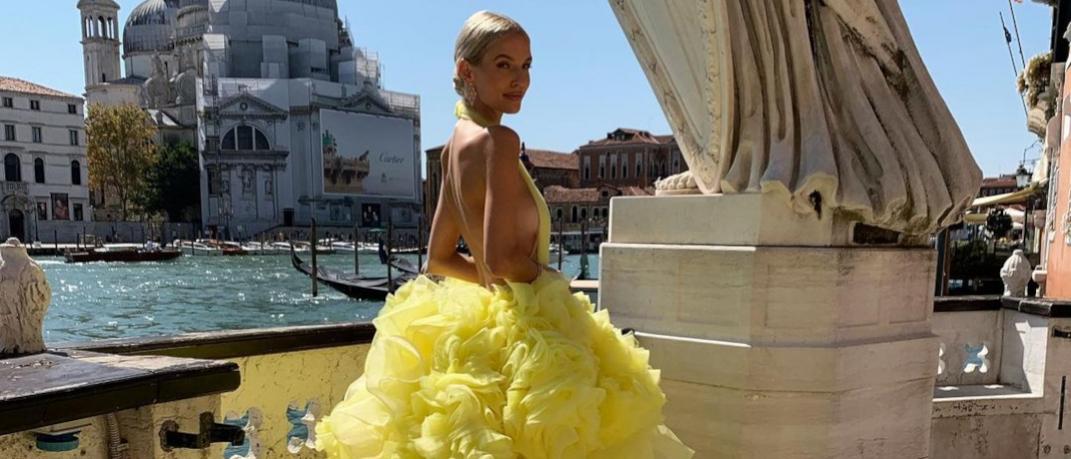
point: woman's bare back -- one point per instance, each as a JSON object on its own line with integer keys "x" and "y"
{"x": 462, "y": 208}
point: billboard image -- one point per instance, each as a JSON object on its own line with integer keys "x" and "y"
{"x": 368, "y": 155}
{"x": 60, "y": 210}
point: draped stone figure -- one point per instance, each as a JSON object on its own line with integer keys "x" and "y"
{"x": 824, "y": 102}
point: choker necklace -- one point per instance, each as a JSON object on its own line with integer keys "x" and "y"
{"x": 462, "y": 111}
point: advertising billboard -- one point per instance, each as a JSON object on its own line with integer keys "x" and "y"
{"x": 60, "y": 210}
{"x": 368, "y": 155}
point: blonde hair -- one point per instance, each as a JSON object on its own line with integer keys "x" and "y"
{"x": 478, "y": 32}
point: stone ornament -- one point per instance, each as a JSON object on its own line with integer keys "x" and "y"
{"x": 24, "y": 299}
{"x": 825, "y": 103}
{"x": 1016, "y": 274}
{"x": 1040, "y": 275}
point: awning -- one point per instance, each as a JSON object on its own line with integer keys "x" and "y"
{"x": 1009, "y": 198}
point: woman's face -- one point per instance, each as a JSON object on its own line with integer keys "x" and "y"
{"x": 501, "y": 78}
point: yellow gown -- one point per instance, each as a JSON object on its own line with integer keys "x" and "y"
{"x": 525, "y": 370}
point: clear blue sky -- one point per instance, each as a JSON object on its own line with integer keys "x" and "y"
{"x": 586, "y": 81}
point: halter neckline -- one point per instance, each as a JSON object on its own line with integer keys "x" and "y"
{"x": 463, "y": 111}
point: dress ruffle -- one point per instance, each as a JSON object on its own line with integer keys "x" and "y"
{"x": 529, "y": 371}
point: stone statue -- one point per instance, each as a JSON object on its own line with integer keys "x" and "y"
{"x": 825, "y": 103}
{"x": 184, "y": 84}
{"x": 24, "y": 299}
{"x": 1016, "y": 274}
{"x": 157, "y": 89}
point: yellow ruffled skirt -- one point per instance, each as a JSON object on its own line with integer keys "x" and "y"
{"x": 529, "y": 371}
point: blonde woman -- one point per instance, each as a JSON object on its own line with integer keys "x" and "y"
{"x": 498, "y": 359}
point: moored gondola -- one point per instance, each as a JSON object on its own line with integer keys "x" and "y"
{"x": 353, "y": 286}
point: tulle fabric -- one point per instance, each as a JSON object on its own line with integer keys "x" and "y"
{"x": 457, "y": 370}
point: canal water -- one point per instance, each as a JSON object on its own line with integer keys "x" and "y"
{"x": 203, "y": 293}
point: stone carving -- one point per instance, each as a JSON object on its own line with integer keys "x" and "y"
{"x": 24, "y": 299}
{"x": 1016, "y": 274}
{"x": 184, "y": 84}
{"x": 157, "y": 89}
{"x": 1040, "y": 275}
{"x": 826, "y": 103}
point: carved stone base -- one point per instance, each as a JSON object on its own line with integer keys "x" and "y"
{"x": 775, "y": 336}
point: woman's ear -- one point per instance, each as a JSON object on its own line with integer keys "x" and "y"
{"x": 464, "y": 70}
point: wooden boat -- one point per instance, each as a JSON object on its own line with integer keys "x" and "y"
{"x": 395, "y": 262}
{"x": 128, "y": 256}
{"x": 353, "y": 286}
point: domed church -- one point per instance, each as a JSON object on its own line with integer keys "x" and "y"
{"x": 290, "y": 118}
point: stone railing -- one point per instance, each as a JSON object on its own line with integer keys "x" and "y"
{"x": 1001, "y": 386}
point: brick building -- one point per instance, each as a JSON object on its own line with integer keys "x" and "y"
{"x": 629, "y": 157}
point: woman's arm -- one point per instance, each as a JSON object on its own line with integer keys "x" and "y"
{"x": 503, "y": 183}
{"x": 443, "y": 258}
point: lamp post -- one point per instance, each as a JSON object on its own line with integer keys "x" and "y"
{"x": 1022, "y": 180}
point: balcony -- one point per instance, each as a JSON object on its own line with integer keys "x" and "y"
{"x": 14, "y": 188}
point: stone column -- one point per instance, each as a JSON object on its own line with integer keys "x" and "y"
{"x": 788, "y": 299}
{"x": 776, "y": 336}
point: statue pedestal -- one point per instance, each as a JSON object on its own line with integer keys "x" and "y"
{"x": 776, "y": 336}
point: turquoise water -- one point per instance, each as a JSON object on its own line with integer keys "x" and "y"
{"x": 201, "y": 293}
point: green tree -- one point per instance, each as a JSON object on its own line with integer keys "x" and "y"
{"x": 120, "y": 152}
{"x": 174, "y": 183}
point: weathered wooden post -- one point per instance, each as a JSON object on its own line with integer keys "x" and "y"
{"x": 420, "y": 242}
{"x": 561, "y": 242}
{"x": 390, "y": 245}
{"x": 312, "y": 248}
{"x": 356, "y": 248}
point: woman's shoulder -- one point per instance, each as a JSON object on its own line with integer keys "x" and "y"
{"x": 493, "y": 140}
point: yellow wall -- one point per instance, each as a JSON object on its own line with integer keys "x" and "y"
{"x": 269, "y": 383}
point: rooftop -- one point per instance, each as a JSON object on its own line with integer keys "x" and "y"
{"x": 25, "y": 87}
{"x": 1004, "y": 181}
{"x": 548, "y": 159}
{"x": 560, "y": 194}
{"x": 623, "y": 136}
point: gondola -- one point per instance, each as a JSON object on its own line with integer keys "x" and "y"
{"x": 353, "y": 286}
{"x": 395, "y": 262}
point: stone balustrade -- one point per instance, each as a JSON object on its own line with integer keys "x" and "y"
{"x": 1001, "y": 386}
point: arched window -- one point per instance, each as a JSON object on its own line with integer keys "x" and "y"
{"x": 245, "y": 138}
{"x": 103, "y": 32}
{"x": 76, "y": 173}
{"x": 559, "y": 213}
{"x": 85, "y": 32}
{"x": 38, "y": 170}
{"x": 12, "y": 170}
{"x": 574, "y": 214}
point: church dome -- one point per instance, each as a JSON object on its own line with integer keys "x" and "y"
{"x": 150, "y": 26}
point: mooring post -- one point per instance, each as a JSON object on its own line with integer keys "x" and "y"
{"x": 312, "y": 245}
{"x": 420, "y": 243}
{"x": 390, "y": 244}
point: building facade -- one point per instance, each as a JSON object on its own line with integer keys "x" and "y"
{"x": 43, "y": 192}
{"x": 629, "y": 157}
{"x": 290, "y": 118}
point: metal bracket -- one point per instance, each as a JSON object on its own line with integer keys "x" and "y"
{"x": 210, "y": 432}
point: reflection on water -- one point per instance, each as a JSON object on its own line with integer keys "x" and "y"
{"x": 122, "y": 300}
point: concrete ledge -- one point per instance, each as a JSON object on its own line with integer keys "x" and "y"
{"x": 785, "y": 294}
{"x": 882, "y": 421}
{"x": 730, "y": 219}
{"x": 799, "y": 368}
{"x": 236, "y": 343}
